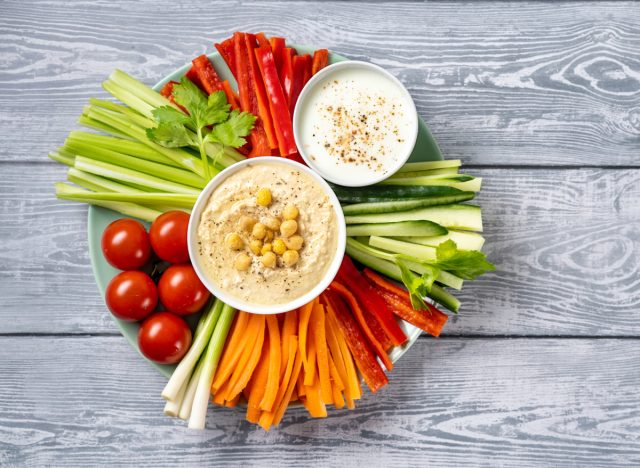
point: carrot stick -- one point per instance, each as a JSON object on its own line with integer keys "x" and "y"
{"x": 232, "y": 403}
{"x": 353, "y": 389}
{"x": 312, "y": 355}
{"x": 245, "y": 369}
{"x": 357, "y": 312}
{"x": 267, "y": 417}
{"x": 289, "y": 328}
{"x": 273, "y": 378}
{"x": 305, "y": 314}
{"x": 335, "y": 354}
{"x": 258, "y": 384}
{"x": 314, "y": 403}
{"x": 232, "y": 350}
{"x": 291, "y": 388}
{"x": 300, "y": 384}
{"x": 320, "y": 339}
{"x": 338, "y": 399}
{"x": 219, "y": 396}
{"x": 335, "y": 375}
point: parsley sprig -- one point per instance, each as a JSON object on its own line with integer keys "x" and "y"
{"x": 467, "y": 264}
{"x": 209, "y": 119}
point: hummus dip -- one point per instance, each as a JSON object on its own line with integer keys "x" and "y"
{"x": 236, "y": 198}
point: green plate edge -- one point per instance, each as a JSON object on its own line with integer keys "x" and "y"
{"x": 426, "y": 149}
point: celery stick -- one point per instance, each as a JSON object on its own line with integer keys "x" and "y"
{"x": 128, "y": 98}
{"x": 127, "y": 175}
{"x": 124, "y": 126}
{"x": 127, "y": 209}
{"x": 92, "y": 123}
{"x": 148, "y": 199}
{"x": 63, "y": 159}
{"x": 200, "y": 341}
{"x": 430, "y": 165}
{"x": 139, "y": 89}
{"x": 180, "y": 176}
{"x": 129, "y": 147}
{"x": 211, "y": 359}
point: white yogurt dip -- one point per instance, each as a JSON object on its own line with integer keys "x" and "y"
{"x": 355, "y": 124}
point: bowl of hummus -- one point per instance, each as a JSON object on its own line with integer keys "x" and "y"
{"x": 267, "y": 235}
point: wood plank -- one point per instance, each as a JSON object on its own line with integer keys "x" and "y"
{"x": 566, "y": 244}
{"x": 498, "y": 83}
{"x": 451, "y": 402}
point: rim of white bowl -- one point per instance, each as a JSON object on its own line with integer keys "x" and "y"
{"x": 234, "y": 302}
{"x": 298, "y": 115}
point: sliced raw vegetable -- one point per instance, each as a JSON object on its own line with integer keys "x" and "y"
{"x": 405, "y": 204}
{"x": 430, "y": 165}
{"x": 392, "y": 193}
{"x": 465, "y": 240}
{"x": 460, "y": 181}
{"x": 398, "y": 229}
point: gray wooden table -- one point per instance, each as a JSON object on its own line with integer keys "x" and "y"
{"x": 543, "y": 365}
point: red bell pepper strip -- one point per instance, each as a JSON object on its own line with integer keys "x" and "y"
{"x": 167, "y": 89}
{"x": 227, "y": 51}
{"x": 285, "y": 71}
{"x": 320, "y": 60}
{"x": 361, "y": 351}
{"x": 364, "y": 324}
{"x": 262, "y": 40}
{"x": 301, "y": 74}
{"x": 277, "y": 47}
{"x": 192, "y": 75}
{"x": 231, "y": 96}
{"x": 248, "y": 98}
{"x": 431, "y": 321}
{"x": 369, "y": 298}
{"x": 261, "y": 94}
{"x": 277, "y": 101}
{"x": 297, "y": 158}
{"x": 210, "y": 80}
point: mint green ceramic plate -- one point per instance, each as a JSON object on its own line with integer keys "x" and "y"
{"x": 426, "y": 150}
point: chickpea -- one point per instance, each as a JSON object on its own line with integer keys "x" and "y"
{"x": 264, "y": 197}
{"x": 234, "y": 241}
{"x": 279, "y": 246}
{"x": 242, "y": 262}
{"x": 288, "y": 228}
{"x": 246, "y": 223}
{"x": 268, "y": 236}
{"x": 256, "y": 246}
{"x": 269, "y": 260}
{"x": 294, "y": 242}
{"x": 259, "y": 231}
{"x": 272, "y": 223}
{"x": 265, "y": 248}
{"x": 290, "y": 257}
{"x": 290, "y": 212}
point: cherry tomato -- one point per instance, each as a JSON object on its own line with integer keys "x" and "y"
{"x": 168, "y": 235}
{"x": 125, "y": 244}
{"x": 131, "y": 295}
{"x": 181, "y": 291}
{"x": 164, "y": 338}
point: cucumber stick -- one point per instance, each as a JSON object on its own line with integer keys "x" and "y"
{"x": 465, "y": 217}
{"x": 445, "y": 171}
{"x": 464, "y": 240}
{"x": 430, "y": 165}
{"x": 391, "y": 270}
{"x": 385, "y": 193}
{"x": 406, "y": 204}
{"x": 423, "y": 253}
{"x": 400, "y": 229}
{"x": 459, "y": 181}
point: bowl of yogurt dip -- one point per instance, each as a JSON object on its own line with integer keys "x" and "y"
{"x": 355, "y": 123}
{"x": 267, "y": 235}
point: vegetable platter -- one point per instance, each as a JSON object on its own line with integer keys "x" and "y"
{"x": 401, "y": 245}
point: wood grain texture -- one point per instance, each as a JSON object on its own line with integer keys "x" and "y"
{"x": 498, "y": 83}
{"x": 450, "y": 403}
{"x": 566, "y": 244}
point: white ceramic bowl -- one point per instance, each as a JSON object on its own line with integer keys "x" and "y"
{"x": 194, "y": 221}
{"x": 299, "y": 115}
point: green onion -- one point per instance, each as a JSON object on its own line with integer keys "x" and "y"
{"x": 211, "y": 359}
